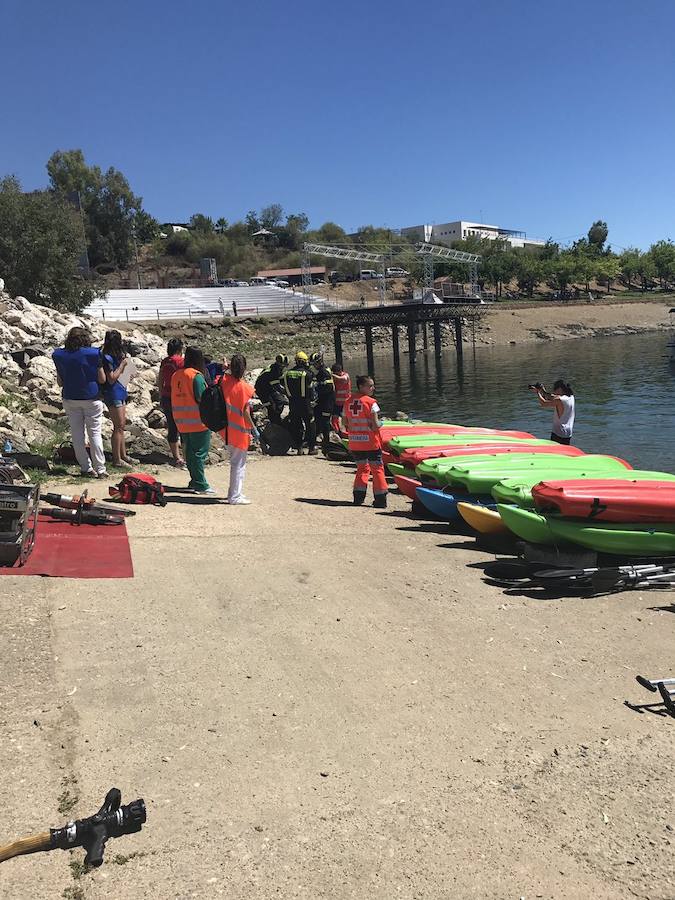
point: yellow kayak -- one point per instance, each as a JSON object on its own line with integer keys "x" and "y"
{"x": 482, "y": 518}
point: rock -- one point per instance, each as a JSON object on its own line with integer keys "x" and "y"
{"x": 6, "y": 417}
{"x": 156, "y": 419}
{"x": 146, "y": 444}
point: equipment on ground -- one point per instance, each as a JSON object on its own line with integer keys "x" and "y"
{"x": 665, "y": 687}
{"x": 18, "y": 522}
{"x": 85, "y": 503}
{"x": 276, "y": 440}
{"x": 138, "y": 487}
{"x": 84, "y": 516}
{"x": 111, "y": 821}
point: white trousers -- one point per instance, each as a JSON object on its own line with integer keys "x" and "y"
{"x": 86, "y": 415}
{"x": 237, "y": 472}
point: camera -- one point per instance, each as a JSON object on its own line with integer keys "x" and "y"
{"x": 536, "y": 386}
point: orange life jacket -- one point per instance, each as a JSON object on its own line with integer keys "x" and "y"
{"x": 343, "y": 387}
{"x": 237, "y": 394}
{"x": 184, "y": 407}
{"x": 358, "y": 411}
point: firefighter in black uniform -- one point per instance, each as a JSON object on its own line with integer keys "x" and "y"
{"x": 325, "y": 399}
{"x": 270, "y": 389}
{"x": 299, "y": 386}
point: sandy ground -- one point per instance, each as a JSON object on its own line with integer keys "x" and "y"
{"x": 320, "y": 701}
{"x": 547, "y": 322}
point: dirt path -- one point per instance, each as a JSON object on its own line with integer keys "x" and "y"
{"x": 318, "y": 701}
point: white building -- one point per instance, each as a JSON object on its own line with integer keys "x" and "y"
{"x": 450, "y": 232}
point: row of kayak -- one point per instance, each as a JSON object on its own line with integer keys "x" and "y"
{"x": 538, "y": 490}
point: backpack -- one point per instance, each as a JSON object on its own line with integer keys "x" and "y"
{"x": 139, "y": 488}
{"x": 212, "y": 407}
{"x": 262, "y": 385}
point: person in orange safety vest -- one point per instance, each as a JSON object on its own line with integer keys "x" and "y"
{"x": 237, "y": 394}
{"x": 361, "y": 422}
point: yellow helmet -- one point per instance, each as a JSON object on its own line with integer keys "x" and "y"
{"x": 301, "y": 356}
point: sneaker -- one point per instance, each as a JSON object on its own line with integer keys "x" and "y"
{"x": 103, "y": 474}
{"x": 242, "y": 501}
{"x": 208, "y": 490}
{"x": 313, "y": 452}
{"x": 89, "y": 474}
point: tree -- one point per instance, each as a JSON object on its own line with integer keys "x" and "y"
{"x": 108, "y": 203}
{"x": 41, "y": 242}
{"x": 201, "y": 223}
{"x": 221, "y": 225}
{"x": 629, "y": 264}
{"x": 663, "y": 257}
{"x": 529, "y": 272}
{"x": 147, "y": 228}
{"x": 597, "y": 235}
{"x": 271, "y": 216}
{"x": 252, "y": 222}
{"x": 329, "y": 233}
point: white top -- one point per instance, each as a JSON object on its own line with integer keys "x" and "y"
{"x": 563, "y": 425}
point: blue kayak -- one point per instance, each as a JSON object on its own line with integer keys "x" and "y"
{"x": 444, "y": 504}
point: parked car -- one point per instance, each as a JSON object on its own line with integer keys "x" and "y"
{"x": 228, "y": 282}
{"x": 367, "y": 274}
{"x": 241, "y": 284}
{"x": 256, "y": 280}
{"x": 396, "y": 272}
{"x": 280, "y": 282}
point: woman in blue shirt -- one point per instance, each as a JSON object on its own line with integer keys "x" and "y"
{"x": 115, "y": 395}
{"x": 80, "y": 376}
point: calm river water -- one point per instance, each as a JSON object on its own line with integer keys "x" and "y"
{"x": 624, "y": 388}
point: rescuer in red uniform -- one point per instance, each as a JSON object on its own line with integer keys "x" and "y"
{"x": 361, "y": 422}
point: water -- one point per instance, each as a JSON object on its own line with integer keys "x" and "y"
{"x": 624, "y": 388}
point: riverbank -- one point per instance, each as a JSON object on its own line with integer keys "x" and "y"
{"x": 322, "y": 701}
{"x": 502, "y": 323}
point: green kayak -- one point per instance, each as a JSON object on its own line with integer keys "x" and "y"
{"x": 480, "y": 473}
{"x": 622, "y": 539}
{"x": 518, "y": 489}
{"x": 398, "y": 444}
{"x": 525, "y": 524}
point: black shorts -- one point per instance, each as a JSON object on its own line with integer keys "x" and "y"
{"x": 370, "y": 456}
{"x": 560, "y": 440}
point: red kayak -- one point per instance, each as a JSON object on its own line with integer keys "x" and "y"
{"x": 608, "y": 499}
{"x": 407, "y": 486}
{"x": 415, "y": 455}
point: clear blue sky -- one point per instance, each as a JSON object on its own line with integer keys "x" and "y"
{"x": 540, "y": 114}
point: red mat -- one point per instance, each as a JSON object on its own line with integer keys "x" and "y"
{"x": 63, "y": 550}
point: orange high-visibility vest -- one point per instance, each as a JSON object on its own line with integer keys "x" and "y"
{"x": 184, "y": 407}
{"x": 358, "y": 411}
{"x": 343, "y": 388}
{"x": 237, "y": 394}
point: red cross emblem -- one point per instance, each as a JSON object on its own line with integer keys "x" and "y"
{"x": 355, "y": 407}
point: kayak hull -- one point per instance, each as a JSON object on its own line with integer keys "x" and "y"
{"x": 525, "y": 524}
{"x": 518, "y": 488}
{"x": 607, "y": 500}
{"x": 407, "y": 486}
{"x": 482, "y": 519}
{"x": 415, "y": 456}
{"x": 444, "y": 505}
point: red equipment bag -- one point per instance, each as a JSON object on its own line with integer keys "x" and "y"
{"x": 139, "y": 488}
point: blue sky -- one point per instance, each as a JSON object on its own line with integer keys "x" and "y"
{"x": 539, "y": 115}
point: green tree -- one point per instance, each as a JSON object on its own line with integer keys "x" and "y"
{"x": 329, "y": 233}
{"x": 530, "y": 272}
{"x": 271, "y": 216}
{"x": 108, "y": 203}
{"x": 629, "y": 264}
{"x": 41, "y": 242}
{"x": 221, "y": 225}
{"x": 201, "y": 223}
{"x": 146, "y": 227}
{"x": 597, "y": 235}
{"x": 663, "y": 257}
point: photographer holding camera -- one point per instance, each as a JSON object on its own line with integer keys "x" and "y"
{"x": 561, "y": 401}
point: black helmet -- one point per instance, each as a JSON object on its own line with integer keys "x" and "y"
{"x": 316, "y": 359}
{"x": 282, "y": 359}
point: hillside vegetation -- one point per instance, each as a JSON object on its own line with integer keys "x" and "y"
{"x": 88, "y": 231}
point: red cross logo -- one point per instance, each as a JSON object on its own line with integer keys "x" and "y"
{"x": 355, "y": 407}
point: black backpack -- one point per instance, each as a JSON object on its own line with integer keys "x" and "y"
{"x": 212, "y": 407}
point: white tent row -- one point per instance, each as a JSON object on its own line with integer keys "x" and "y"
{"x": 184, "y": 303}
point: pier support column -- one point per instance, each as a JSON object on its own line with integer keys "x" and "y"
{"x": 411, "y": 344}
{"x": 395, "y": 347}
{"x": 458, "y": 336}
{"x": 425, "y": 336}
{"x": 369, "y": 349}
{"x": 437, "y": 338}
{"x": 337, "y": 342}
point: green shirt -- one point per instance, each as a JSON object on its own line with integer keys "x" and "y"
{"x": 198, "y": 386}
